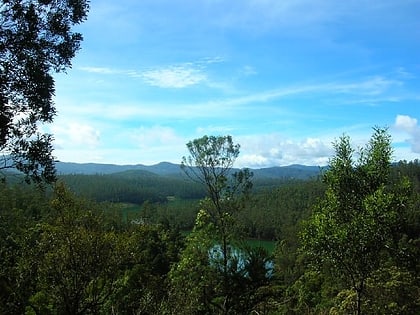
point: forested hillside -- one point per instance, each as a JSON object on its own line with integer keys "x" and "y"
{"x": 132, "y": 187}
{"x": 137, "y": 186}
{"x": 63, "y": 252}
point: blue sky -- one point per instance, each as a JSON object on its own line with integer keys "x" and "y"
{"x": 284, "y": 78}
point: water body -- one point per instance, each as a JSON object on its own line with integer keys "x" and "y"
{"x": 239, "y": 259}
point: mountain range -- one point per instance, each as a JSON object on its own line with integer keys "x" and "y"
{"x": 295, "y": 171}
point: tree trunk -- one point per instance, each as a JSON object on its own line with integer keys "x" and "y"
{"x": 359, "y": 291}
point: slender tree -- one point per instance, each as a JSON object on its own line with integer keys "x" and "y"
{"x": 210, "y": 163}
{"x": 36, "y": 40}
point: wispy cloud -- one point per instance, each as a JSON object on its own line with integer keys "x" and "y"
{"x": 99, "y": 70}
{"x": 307, "y": 18}
{"x": 173, "y": 77}
{"x": 248, "y": 70}
{"x": 357, "y": 92}
{"x": 375, "y": 85}
{"x": 403, "y": 73}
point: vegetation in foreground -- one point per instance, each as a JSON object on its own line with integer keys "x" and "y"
{"x": 346, "y": 245}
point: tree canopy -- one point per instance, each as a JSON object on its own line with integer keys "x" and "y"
{"x": 216, "y": 274}
{"x": 36, "y": 40}
{"x": 352, "y": 227}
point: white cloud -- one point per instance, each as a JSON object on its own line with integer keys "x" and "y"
{"x": 252, "y": 161}
{"x": 99, "y": 70}
{"x": 156, "y": 136}
{"x": 174, "y": 76}
{"x": 273, "y": 149}
{"x": 410, "y": 126}
{"x": 405, "y": 123}
{"x": 71, "y": 135}
{"x": 145, "y": 145}
{"x": 84, "y": 134}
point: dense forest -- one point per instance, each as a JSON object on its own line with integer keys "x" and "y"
{"x": 346, "y": 242}
{"x": 94, "y": 244}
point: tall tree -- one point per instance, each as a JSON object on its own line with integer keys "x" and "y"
{"x": 351, "y": 228}
{"x": 210, "y": 163}
{"x": 36, "y": 40}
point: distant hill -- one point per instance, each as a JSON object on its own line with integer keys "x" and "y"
{"x": 295, "y": 171}
{"x": 65, "y": 168}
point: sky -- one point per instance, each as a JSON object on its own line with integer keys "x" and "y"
{"x": 284, "y": 78}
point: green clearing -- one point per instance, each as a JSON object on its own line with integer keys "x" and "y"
{"x": 268, "y": 245}
{"x": 129, "y": 210}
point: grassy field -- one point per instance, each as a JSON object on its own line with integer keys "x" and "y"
{"x": 129, "y": 210}
{"x": 268, "y": 245}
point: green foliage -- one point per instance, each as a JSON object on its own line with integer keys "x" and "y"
{"x": 210, "y": 162}
{"x": 67, "y": 255}
{"x": 214, "y": 275}
{"x": 142, "y": 286}
{"x": 352, "y": 229}
{"x": 393, "y": 290}
{"x": 35, "y": 41}
{"x": 62, "y": 254}
{"x": 198, "y": 280}
{"x": 390, "y": 290}
{"x": 193, "y": 279}
{"x": 269, "y": 214}
{"x": 132, "y": 188}
{"x": 312, "y": 293}
{"x": 21, "y": 208}
{"x": 274, "y": 214}
{"x": 77, "y": 258}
